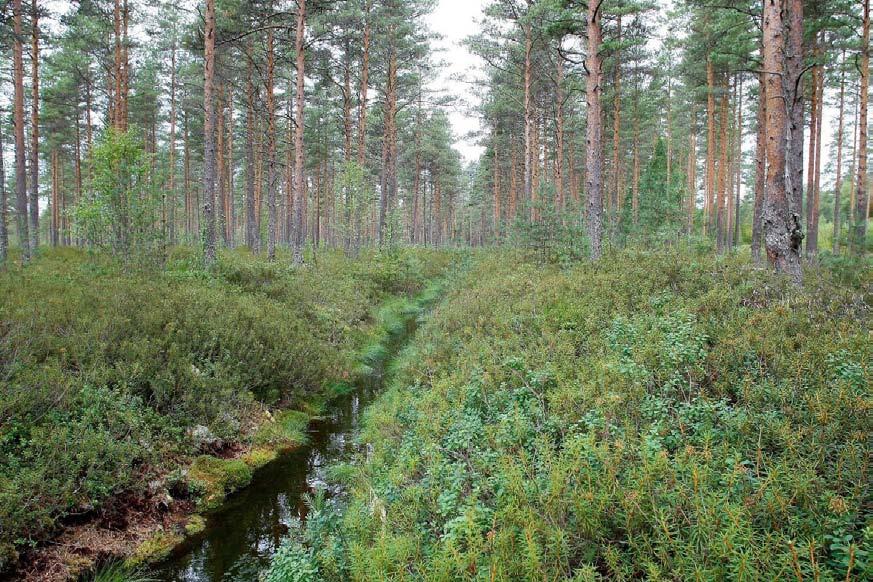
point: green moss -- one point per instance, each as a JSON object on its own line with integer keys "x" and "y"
{"x": 215, "y": 478}
{"x": 259, "y": 456}
{"x": 196, "y": 525}
{"x": 286, "y": 430}
{"x": 158, "y": 547}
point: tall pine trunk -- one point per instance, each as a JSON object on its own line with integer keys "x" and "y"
{"x": 760, "y": 169}
{"x": 34, "y": 127}
{"x": 722, "y": 186}
{"x": 783, "y": 247}
{"x": 528, "y": 114}
{"x": 814, "y": 205}
{"x": 594, "y": 137}
{"x": 838, "y": 184}
{"x": 18, "y": 107}
{"x": 209, "y": 135}
{"x": 691, "y": 173}
{"x": 252, "y": 234}
{"x": 272, "y": 208}
{"x": 4, "y": 232}
{"x": 299, "y": 195}
{"x": 614, "y": 208}
{"x": 559, "y": 137}
{"x": 709, "y": 195}
{"x": 861, "y": 206}
{"x": 793, "y": 80}
{"x": 171, "y": 235}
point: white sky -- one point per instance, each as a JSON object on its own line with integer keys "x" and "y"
{"x": 455, "y": 20}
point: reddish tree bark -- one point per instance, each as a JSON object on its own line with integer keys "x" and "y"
{"x": 299, "y": 202}
{"x": 861, "y": 204}
{"x": 783, "y": 245}
{"x": 209, "y": 134}
{"x": 760, "y": 169}
{"x": 594, "y": 137}
{"x": 18, "y": 117}
{"x": 838, "y": 185}
{"x": 34, "y": 127}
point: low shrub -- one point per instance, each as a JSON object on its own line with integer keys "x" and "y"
{"x": 113, "y": 375}
{"x": 659, "y": 414}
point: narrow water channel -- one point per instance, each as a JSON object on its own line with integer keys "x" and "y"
{"x": 243, "y": 535}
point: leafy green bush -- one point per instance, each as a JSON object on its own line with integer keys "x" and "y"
{"x": 108, "y": 371}
{"x": 659, "y": 415}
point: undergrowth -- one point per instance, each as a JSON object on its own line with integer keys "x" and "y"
{"x": 659, "y": 415}
{"x": 114, "y": 378}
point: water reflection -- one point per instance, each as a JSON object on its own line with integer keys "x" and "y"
{"x": 241, "y": 538}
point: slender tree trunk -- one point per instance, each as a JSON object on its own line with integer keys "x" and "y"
{"x": 365, "y": 76}
{"x": 78, "y": 170}
{"x": 299, "y": 194}
{"x": 513, "y": 181}
{"x": 272, "y": 208}
{"x": 853, "y": 172}
{"x": 838, "y": 185}
{"x": 708, "y": 203}
{"x": 20, "y": 164}
{"x": 230, "y": 215}
{"x": 691, "y": 172}
{"x": 252, "y": 234}
{"x": 259, "y": 175}
{"x": 535, "y": 169}
{"x": 794, "y": 68}
{"x": 4, "y": 229}
{"x": 614, "y": 209}
{"x": 635, "y": 190}
{"x": 528, "y": 114}
{"x": 669, "y": 131}
{"x": 125, "y": 66}
{"x": 221, "y": 183}
{"x": 186, "y": 178}
{"x": 347, "y": 102}
{"x": 389, "y": 172}
{"x": 54, "y": 224}
{"x": 89, "y": 127}
{"x": 172, "y": 143}
{"x": 347, "y": 140}
{"x": 738, "y": 164}
{"x": 209, "y": 135}
{"x": 559, "y": 137}
{"x": 416, "y": 181}
{"x": 437, "y": 212}
{"x": 861, "y": 194}
{"x": 495, "y": 163}
{"x": 722, "y": 187}
{"x": 783, "y": 245}
{"x": 594, "y": 137}
{"x": 814, "y": 203}
{"x": 289, "y": 166}
{"x": 34, "y": 128}
{"x": 115, "y": 105}
{"x": 760, "y": 169}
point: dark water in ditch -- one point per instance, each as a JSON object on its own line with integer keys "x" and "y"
{"x": 243, "y": 535}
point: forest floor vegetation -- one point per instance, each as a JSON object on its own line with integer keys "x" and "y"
{"x": 134, "y": 397}
{"x": 661, "y": 415}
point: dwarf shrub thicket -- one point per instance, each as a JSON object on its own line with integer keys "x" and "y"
{"x": 107, "y": 371}
{"x": 663, "y": 415}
